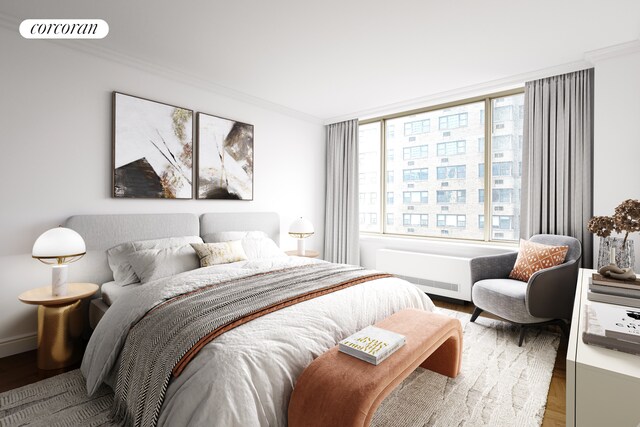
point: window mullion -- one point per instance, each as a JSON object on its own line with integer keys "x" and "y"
{"x": 383, "y": 175}
{"x": 488, "y": 120}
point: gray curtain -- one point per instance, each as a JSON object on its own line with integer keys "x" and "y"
{"x": 557, "y": 158}
{"x": 341, "y": 241}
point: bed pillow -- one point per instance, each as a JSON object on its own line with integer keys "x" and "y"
{"x": 118, "y": 256}
{"x": 256, "y": 244}
{"x": 153, "y": 264}
{"x": 219, "y": 253}
{"x": 533, "y": 257}
{"x": 227, "y": 236}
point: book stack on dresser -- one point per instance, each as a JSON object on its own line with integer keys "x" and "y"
{"x": 613, "y": 314}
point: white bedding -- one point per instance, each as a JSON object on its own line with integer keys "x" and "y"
{"x": 111, "y": 291}
{"x": 245, "y": 377}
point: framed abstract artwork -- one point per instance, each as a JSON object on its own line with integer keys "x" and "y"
{"x": 225, "y": 158}
{"x": 152, "y": 149}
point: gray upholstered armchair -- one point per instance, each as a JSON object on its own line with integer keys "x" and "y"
{"x": 546, "y": 298}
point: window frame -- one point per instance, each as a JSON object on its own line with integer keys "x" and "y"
{"x": 488, "y": 176}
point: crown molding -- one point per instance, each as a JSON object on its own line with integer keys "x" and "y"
{"x": 614, "y": 51}
{"x": 470, "y": 91}
{"x": 94, "y": 48}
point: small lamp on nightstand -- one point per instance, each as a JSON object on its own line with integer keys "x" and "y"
{"x": 58, "y": 247}
{"x": 300, "y": 229}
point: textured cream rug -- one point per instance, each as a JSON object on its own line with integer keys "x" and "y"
{"x": 500, "y": 384}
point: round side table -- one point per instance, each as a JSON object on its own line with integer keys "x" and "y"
{"x": 60, "y": 323}
{"x": 308, "y": 253}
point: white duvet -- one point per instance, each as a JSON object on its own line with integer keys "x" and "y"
{"x": 245, "y": 377}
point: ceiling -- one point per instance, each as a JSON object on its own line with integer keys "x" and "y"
{"x": 332, "y": 58}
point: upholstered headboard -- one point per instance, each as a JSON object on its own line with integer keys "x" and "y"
{"x": 101, "y": 232}
{"x": 269, "y": 222}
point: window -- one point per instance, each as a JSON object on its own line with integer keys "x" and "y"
{"x": 503, "y": 114}
{"x": 452, "y": 148}
{"x": 447, "y": 220}
{"x": 501, "y": 168}
{"x": 459, "y": 138}
{"x": 389, "y": 177}
{"x": 418, "y": 152}
{"x": 417, "y": 127}
{"x": 389, "y": 219}
{"x": 502, "y": 222}
{"x": 502, "y": 143}
{"x": 452, "y": 172}
{"x": 452, "y": 196}
{"x": 453, "y": 121}
{"x": 369, "y": 179}
{"x": 421, "y": 174}
{"x": 502, "y": 195}
{"x": 415, "y": 197}
{"x": 415, "y": 220}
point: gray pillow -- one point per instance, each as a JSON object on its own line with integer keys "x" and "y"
{"x": 153, "y": 264}
{"x": 118, "y": 256}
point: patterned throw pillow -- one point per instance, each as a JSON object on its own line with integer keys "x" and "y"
{"x": 219, "y": 253}
{"x": 533, "y": 257}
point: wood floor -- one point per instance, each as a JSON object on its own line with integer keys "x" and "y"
{"x": 20, "y": 369}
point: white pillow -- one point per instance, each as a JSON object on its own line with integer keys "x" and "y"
{"x": 152, "y": 264}
{"x": 227, "y": 236}
{"x": 118, "y": 256}
{"x": 256, "y": 244}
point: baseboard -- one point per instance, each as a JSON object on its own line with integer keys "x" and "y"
{"x": 18, "y": 344}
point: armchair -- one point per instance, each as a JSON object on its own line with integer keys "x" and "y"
{"x": 545, "y": 299}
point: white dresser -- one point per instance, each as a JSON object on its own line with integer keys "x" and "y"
{"x": 603, "y": 386}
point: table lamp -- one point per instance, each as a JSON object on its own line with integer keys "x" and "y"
{"x": 58, "y": 247}
{"x": 300, "y": 229}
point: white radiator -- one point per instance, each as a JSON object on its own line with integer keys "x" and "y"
{"x": 444, "y": 275}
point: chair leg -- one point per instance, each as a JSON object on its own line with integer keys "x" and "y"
{"x": 522, "y": 331}
{"x": 476, "y": 313}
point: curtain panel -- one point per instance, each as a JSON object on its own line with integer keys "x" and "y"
{"x": 557, "y": 158}
{"x": 342, "y": 228}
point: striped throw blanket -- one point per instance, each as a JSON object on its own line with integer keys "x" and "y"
{"x": 170, "y": 335}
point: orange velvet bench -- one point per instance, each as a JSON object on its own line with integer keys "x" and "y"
{"x": 339, "y": 390}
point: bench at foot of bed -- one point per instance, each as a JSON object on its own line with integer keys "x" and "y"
{"x": 339, "y": 390}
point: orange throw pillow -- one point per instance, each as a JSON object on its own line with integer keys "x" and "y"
{"x": 533, "y": 257}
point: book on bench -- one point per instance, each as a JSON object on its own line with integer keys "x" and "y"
{"x": 372, "y": 344}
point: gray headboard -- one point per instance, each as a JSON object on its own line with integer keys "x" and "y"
{"x": 269, "y": 222}
{"x": 101, "y": 232}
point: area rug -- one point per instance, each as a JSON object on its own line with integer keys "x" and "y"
{"x": 500, "y": 384}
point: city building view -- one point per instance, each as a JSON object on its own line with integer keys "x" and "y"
{"x": 436, "y": 172}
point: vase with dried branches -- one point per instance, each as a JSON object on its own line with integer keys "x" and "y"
{"x": 617, "y": 250}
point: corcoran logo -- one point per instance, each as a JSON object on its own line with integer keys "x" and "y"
{"x": 64, "y": 29}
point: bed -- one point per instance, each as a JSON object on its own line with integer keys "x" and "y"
{"x": 242, "y": 375}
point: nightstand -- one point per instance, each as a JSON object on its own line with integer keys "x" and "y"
{"x": 307, "y": 254}
{"x": 60, "y": 323}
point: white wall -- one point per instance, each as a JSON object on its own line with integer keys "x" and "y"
{"x": 617, "y": 136}
{"x": 55, "y": 122}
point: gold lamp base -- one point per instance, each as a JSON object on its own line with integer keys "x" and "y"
{"x": 59, "y": 330}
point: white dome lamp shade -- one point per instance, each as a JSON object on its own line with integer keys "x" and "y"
{"x": 300, "y": 229}
{"x": 59, "y": 247}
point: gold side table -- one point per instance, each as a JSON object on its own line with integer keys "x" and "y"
{"x": 60, "y": 323}
{"x": 308, "y": 253}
